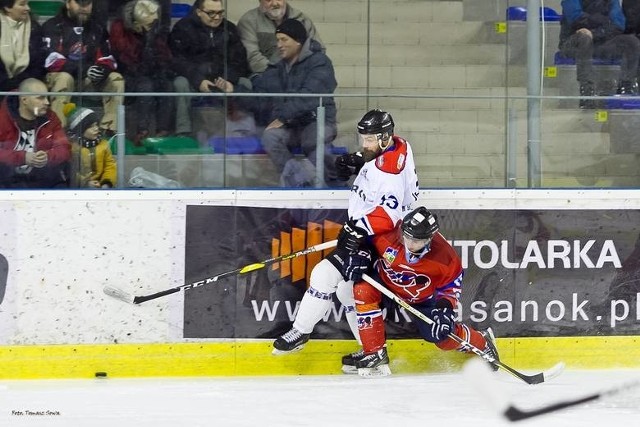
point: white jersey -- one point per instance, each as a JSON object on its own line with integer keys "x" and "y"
{"x": 384, "y": 189}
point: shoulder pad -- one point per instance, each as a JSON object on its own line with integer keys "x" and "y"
{"x": 394, "y": 160}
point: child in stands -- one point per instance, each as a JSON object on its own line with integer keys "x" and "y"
{"x": 92, "y": 163}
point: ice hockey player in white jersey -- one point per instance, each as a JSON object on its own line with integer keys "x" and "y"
{"x": 385, "y": 187}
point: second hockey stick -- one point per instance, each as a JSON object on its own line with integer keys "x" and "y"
{"x": 529, "y": 379}
{"x": 131, "y": 299}
{"x": 479, "y": 376}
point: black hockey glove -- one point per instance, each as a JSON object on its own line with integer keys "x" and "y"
{"x": 349, "y": 164}
{"x": 443, "y": 322}
{"x": 357, "y": 264}
{"x": 350, "y": 237}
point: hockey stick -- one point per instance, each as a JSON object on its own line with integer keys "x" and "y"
{"x": 131, "y": 299}
{"x": 480, "y": 377}
{"x": 529, "y": 379}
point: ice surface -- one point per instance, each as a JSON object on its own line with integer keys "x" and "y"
{"x": 399, "y": 400}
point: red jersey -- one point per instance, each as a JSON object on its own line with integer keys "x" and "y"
{"x": 438, "y": 274}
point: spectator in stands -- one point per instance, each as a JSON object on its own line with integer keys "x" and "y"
{"x": 21, "y": 49}
{"x": 92, "y": 163}
{"x": 291, "y": 121}
{"x": 205, "y": 46}
{"x": 79, "y": 58}
{"x": 144, "y": 58}
{"x": 257, "y": 29}
{"x": 595, "y": 28}
{"x": 631, "y": 10}
{"x": 34, "y": 150}
{"x": 105, "y": 9}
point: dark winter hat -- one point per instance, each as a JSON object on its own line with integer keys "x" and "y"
{"x": 294, "y": 29}
{"x": 79, "y": 118}
{"x": 84, "y": 2}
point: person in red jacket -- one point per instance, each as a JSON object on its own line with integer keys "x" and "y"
{"x": 144, "y": 59}
{"x": 34, "y": 149}
{"x": 417, "y": 264}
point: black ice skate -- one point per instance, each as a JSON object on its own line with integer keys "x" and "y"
{"x": 490, "y": 348}
{"x": 294, "y": 340}
{"x": 374, "y": 364}
{"x": 349, "y": 362}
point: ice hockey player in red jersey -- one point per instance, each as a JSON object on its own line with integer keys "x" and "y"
{"x": 417, "y": 264}
{"x": 383, "y": 191}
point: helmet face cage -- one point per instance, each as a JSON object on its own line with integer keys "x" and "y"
{"x": 418, "y": 228}
{"x": 379, "y": 123}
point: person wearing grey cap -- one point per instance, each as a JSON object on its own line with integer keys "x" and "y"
{"x": 257, "y": 30}
{"x": 291, "y": 121}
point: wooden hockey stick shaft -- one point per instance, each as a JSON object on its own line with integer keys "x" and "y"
{"x": 529, "y": 379}
{"x": 126, "y": 297}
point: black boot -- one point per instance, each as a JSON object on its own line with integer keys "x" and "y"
{"x": 587, "y": 89}
{"x": 627, "y": 87}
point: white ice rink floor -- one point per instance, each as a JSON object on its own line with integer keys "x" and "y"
{"x": 425, "y": 400}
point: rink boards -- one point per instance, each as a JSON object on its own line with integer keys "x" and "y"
{"x": 322, "y": 357}
{"x": 62, "y": 248}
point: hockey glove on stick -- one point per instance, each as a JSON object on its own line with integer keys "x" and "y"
{"x": 443, "y": 322}
{"x": 350, "y": 237}
{"x": 349, "y": 164}
{"x": 357, "y": 264}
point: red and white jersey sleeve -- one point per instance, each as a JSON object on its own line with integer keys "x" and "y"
{"x": 385, "y": 189}
{"x": 436, "y": 275}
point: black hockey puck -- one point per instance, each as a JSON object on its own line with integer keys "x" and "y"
{"x": 101, "y": 374}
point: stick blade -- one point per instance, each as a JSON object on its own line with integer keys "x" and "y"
{"x": 554, "y": 371}
{"x": 118, "y": 294}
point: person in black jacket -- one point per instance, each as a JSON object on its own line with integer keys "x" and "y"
{"x": 79, "y": 58}
{"x": 291, "y": 121}
{"x": 205, "y": 46}
{"x": 595, "y": 27}
{"x": 22, "y": 54}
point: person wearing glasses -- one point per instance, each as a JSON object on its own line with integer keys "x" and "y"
{"x": 205, "y": 46}
{"x": 258, "y": 28}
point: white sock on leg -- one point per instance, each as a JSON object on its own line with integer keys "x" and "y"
{"x": 317, "y": 300}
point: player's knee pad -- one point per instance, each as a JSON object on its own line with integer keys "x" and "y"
{"x": 365, "y": 294}
{"x": 325, "y": 277}
{"x": 345, "y": 293}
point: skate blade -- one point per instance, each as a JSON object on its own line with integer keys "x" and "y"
{"x": 349, "y": 370}
{"x": 378, "y": 371}
{"x": 277, "y": 352}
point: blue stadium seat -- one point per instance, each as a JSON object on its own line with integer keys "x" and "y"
{"x": 236, "y": 145}
{"x": 518, "y": 13}
{"x": 251, "y": 145}
{"x": 622, "y": 103}
{"x": 559, "y": 59}
{"x": 180, "y": 10}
